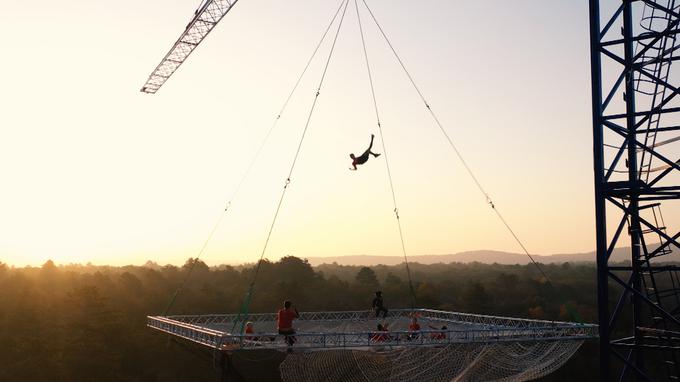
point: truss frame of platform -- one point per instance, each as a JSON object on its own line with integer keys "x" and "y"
{"x": 480, "y": 329}
{"x": 634, "y": 103}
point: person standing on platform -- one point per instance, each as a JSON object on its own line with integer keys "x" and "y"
{"x": 379, "y": 305}
{"x": 284, "y": 322}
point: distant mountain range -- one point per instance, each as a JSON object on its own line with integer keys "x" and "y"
{"x": 482, "y": 256}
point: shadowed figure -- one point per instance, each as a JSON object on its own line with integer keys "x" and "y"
{"x": 379, "y": 305}
{"x": 363, "y": 158}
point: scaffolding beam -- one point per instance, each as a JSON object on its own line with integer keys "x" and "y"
{"x": 209, "y": 14}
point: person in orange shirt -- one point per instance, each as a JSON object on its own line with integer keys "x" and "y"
{"x": 284, "y": 322}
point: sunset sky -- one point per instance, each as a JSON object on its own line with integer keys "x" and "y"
{"x": 95, "y": 171}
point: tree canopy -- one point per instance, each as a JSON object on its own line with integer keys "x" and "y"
{"x": 85, "y": 322}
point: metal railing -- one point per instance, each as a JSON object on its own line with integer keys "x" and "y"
{"x": 475, "y": 329}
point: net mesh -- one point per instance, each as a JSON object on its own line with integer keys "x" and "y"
{"x": 502, "y": 361}
{"x": 359, "y": 346}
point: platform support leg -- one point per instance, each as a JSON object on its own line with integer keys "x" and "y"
{"x": 225, "y": 365}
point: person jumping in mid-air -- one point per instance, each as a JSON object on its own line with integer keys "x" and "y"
{"x": 364, "y": 157}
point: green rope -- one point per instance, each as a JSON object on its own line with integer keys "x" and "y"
{"x": 243, "y": 314}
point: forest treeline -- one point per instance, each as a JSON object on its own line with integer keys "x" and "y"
{"x": 87, "y": 323}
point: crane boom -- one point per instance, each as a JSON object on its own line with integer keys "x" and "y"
{"x": 205, "y": 19}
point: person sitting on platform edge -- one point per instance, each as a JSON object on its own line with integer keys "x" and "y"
{"x": 413, "y": 328}
{"x": 382, "y": 334}
{"x": 378, "y": 305}
{"x": 284, "y": 322}
{"x": 249, "y": 332}
{"x": 438, "y": 335}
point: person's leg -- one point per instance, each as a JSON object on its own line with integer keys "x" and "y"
{"x": 284, "y": 333}
{"x": 288, "y": 336}
{"x": 369, "y": 149}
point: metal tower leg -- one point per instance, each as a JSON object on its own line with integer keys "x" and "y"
{"x": 633, "y": 44}
{"x": 600, "y": 206}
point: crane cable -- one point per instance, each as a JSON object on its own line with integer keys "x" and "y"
{"x": 453, "y": 146}
{"x": 245, "y": 307}
{"x": 251, "y": 164}
{"x": 387, "y": 163}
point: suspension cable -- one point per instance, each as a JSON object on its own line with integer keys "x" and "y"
{"x": 252, "y": 162}
{"x": 453, "y": 146}
{"x": 387, "y": 162}
{"x": 243, "y": 313}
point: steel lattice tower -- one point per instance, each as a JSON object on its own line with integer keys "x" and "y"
{"x": 636, "y": 140}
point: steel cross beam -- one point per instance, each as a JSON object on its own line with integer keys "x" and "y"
{"x": 205, "y": 19}
{"x": 634, "y": 91}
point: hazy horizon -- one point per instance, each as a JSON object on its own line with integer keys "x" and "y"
{"x": 486, "y": 256}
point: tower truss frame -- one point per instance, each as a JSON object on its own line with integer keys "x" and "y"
{"x": 636, "y": 130}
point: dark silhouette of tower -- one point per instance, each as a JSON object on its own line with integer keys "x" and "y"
{"x": 636, "y": 142}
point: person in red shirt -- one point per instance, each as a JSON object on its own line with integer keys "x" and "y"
{"x": 439, "y": 335}
{"x": 284, "y": 322}
{"x": 414, "y": 328}
{"x": 249, "y": 328}
{"x": 250, "y": 332}
{"x": 363, "y": 158}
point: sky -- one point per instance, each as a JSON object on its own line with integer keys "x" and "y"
{"x": 95, "y": 171}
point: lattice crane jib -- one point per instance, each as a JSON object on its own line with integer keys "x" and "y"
{"x": 207, "y": 16}
{"x": 636, "y": 135}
